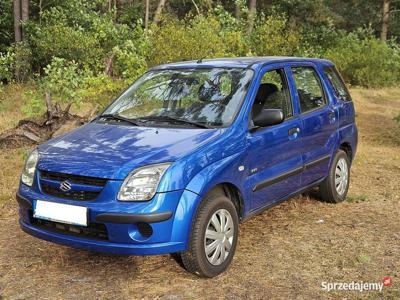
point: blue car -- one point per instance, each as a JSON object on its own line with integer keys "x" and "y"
{"x": 189, "y": 151}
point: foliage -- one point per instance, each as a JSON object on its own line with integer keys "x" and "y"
{"x": 131, "y": 56}
{"x": 186, "y": 39}
{"x": 6, "y": 24}
{"x": 63, "y": 79}
{"x": 366, "y": 61}
{"x": 273, "y": 36}
{"x": 86, "y": 51}
{"x": 7, "y": 62}
{"x": 67, "y": 83}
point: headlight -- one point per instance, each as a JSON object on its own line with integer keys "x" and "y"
{"x": 28, "y": 172}
{"x": 142, "y": 183}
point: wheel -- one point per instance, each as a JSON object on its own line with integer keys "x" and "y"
{"x": 213, "y": 238}
{"x": 334, "y": 188}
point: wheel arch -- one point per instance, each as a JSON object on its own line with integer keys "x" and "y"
{"x": 346, "y": 147}
{"x": 231, "y": 191}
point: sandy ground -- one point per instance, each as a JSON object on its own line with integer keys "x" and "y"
{"x": 284, "y": 253}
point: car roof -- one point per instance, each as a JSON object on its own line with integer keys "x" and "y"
{"x": 239, "y": 62}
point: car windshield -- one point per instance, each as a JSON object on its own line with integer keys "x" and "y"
{"x": 183, "y": 97}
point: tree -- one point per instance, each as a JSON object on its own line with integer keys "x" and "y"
{"x": 17, "y": 21}
{"x": 146, "y": 14}
{"x": 159, "y": 9}
{"x": 385, "y": 20}
{"x": 24, "y": 15}
{"x": 21, "y": 14}
{"x": 252, "y": 13}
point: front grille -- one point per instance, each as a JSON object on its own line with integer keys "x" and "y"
{"x": 72, "y": 195}
{"x": 96, "y": 231}
{"x": 80, "y": 194}
{"x": 73, "y": 178}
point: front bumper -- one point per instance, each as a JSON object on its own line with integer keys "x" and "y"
{"x": 168, "y": 214}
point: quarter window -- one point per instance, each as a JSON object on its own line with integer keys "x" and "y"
{"x": 309, "y": 89}
{"x": 337, "y": 83}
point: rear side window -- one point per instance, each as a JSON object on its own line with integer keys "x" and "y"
{"x": 309, "y": 89}
{"x": 337, "y": 83}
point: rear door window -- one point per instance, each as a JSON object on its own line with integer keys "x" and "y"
{"x": 337, "y": 83}
{"x": 309, "y": 88}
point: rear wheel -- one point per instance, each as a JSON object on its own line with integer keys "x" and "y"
{"x": 334, "y": 188}
{"x": 213, "y": 238}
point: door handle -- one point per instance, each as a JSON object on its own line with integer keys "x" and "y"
{"x": 331, "y": 116}
{"x": 294, "y": 130}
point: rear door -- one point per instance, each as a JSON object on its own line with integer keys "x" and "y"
{"x": 274, "y": 160}
{"x": 319, "y": 122}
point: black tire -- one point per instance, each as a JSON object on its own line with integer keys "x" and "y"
{"x": 195, "y": 259}
{"x": 327, "y": 188}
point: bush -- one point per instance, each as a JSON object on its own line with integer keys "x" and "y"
{"x": 77, "y": 32}
{"x": 16, "y": 63}
{"x": 131, "y": 57}
{"x": 273, "y": 36}
{"x": 185, "y": 40}
{"x": 366, "y": 61}
{"x": 7, "y": 62}
{"x": 63, "y": 80}
{"x": 100, "y": 90}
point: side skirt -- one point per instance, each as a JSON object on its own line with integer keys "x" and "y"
{"x": 279, "y": 201}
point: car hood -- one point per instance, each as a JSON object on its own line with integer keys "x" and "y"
{"x": 112, "y": 151}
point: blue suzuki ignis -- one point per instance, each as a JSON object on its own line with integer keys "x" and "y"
{"x": 189, "y": 151}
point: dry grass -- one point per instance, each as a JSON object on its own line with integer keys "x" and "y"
{"x": 10, "y": 106}
{"x": 285, "y": 253}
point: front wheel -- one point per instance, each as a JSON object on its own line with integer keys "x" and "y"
{"x": 334, "y": 188}
{"x": 213, "y": 238}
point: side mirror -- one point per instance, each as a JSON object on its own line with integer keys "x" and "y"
{"x": 269, "y": 117}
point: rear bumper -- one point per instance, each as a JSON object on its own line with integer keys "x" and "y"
{"x": 168, "y": 214}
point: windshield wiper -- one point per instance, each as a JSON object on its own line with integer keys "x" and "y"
{"x": 173, "y": 119}
{"x": 120, "y": 118}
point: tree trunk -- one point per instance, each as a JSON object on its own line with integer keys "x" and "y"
{"x": 17, "y": 21}
{"x": 40, "y": 11}
{"x": 385, "y": 20}
{"x": 251, "y": 16}
{"x": 146, "y": 14}
{"x": 24, "y": 14}
{"x": 196, "y": 7}
{"x": 159, "y": 9}
{"x": 237, "y": 10}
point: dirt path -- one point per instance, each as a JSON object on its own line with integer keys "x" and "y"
{"x": 285, "y": 253}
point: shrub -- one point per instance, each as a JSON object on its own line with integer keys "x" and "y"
{"x": 366, "y": 61}
{"x": 100, "y": 90}
{"x": 7, "y": 62}
{"x": 273, "y": 36}
{"x": 185, "y": 40}
{"x": 77, "y": 30}
{"x": 63, "y": 79}
{"x": 16, "y": 63}
{"x": 130, "y": 57}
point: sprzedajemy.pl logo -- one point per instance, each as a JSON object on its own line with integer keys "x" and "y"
{"x": 359, "y": 286}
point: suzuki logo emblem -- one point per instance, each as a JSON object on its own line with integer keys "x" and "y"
{"x": 65, "y": 186}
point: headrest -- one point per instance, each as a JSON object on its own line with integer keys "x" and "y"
{"x": 265, "y": 90}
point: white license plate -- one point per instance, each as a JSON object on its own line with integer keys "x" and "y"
{"x": 63, "y": 213}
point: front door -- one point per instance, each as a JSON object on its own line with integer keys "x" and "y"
{"x": 274, "y": 159}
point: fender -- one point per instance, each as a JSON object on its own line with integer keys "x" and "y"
{"x": 349, "y": 134}
{"x": 223, "y": 171}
